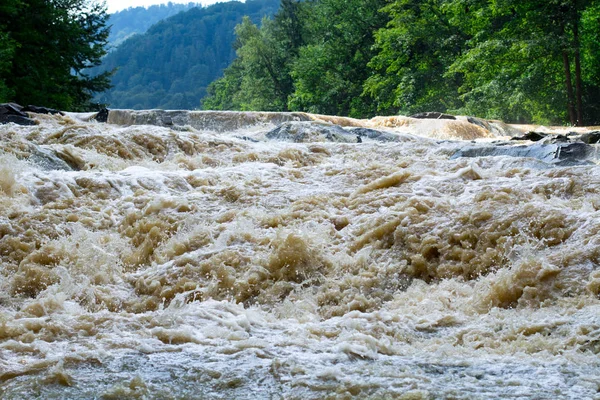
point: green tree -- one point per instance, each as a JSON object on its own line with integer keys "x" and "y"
{"x": 527, "y": 60}
{"x": 6, "y": 52}
{"x": 178, "y": 56}
{"x": 259, "y": 78}
{"x": 52, "y": 44}
{"x": 521, "y": 61}
{"x": 415, "y": 50}
{"x": 332, "y": 67}
{"x": 7, "y": 48}
{"x": 590, "y": 59}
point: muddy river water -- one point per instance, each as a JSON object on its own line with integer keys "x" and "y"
{"x": 171, "y": 258}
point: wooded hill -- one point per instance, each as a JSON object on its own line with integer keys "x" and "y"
{"x": 171, "y": 65}
{"x": 136, "y": 20}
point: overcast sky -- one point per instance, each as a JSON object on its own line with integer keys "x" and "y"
{"x": 117, "y": 5}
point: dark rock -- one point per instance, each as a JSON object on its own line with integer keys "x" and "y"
{"x": 102, "y": 115}
{"x": 590, "y": 137}
{"x": 17, "y": 119}
{"x": 167, "y": 120}
{"x": 560, "y": 154}
{"x": 533, "y": 136}
{"x": 310, "y": 131}
{"x": 551, "y": 139}
{"x": 480, "y": 123}
{"x": 574, "y": 152}
{"x": 374, "y": 134}
{"x": 12, "y": 109}
{"x": 11, "y": 112}
{"x": 432, "y": 115}
{"x": 42, "y": 110}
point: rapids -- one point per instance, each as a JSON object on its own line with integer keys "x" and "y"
{"x": 179, "y": 255}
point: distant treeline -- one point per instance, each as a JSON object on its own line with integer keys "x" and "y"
{"x": 171, "y": 65}
{"x": 520, "y": 61}
{"x": 133, "y": 20}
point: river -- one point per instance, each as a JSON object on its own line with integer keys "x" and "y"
{"x": 163, "y": 256}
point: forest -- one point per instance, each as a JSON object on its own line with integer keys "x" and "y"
{"x": 171, "y": 65}
{"x": 527, "y": 61}
{"x": 136, "y": 20}
{"x": 519, "y": 61}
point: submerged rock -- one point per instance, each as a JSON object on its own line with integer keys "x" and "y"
{"x": 432, "y": 115}
{"x": 563, "y": 154}
{"x": 374, "y": 134}
{"x": 218, "y": 121}
{"x": 309, "y": 131}
{"x": 48, "y": 160}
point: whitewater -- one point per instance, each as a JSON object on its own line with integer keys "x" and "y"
{"x": 207, "y": 255}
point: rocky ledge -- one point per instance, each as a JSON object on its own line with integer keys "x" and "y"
{"x": 556, "y": 149}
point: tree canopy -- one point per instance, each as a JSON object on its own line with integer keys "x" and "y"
{"x": 521, "y": 61}
{"x": 46, "y": 49}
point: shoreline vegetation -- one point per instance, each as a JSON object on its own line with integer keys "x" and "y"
{"x": 521, "y": 62}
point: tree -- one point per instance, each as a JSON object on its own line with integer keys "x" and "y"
{"x": 520, "y": 61}
{"x": 7, "y": 48}
{"x": 259, "y": 78}
{"x": 54, "y": 42}
{"x": 179, "y": 55}
{"x": 331, "y": 68}
{"x": 415, "y": 50}
{"x": 526, "y": 61}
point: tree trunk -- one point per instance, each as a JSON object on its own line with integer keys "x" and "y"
{"x": 578, "y": 89}
{"x": 570, "y": 95}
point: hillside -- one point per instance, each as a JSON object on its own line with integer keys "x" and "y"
{"x": 128, "y": 22}
{"x": 171, "y": 65}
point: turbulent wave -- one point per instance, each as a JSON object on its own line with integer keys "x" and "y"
{"x": 173, "y": 254}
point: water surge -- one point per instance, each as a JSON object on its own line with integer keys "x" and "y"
{"x": 174, "y": 254}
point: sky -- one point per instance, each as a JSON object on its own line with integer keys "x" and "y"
{"x": 117, "y": 5}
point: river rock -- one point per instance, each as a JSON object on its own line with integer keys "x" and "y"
{"x": 560, "y": 154}
{"x": 310, "y": 131}
{"x": 532, "y": 136}
{"x": 102, "y": 115}
{"x": 556, "y": 139}
{"x": 41, "y": 110}
{"x": 11, "y": 112}
{"x": 432, "y": 115}
{"x": 590, "y": 137}
{"x": 373, "y": 134}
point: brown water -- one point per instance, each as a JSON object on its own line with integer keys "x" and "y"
{"x": 182, "y": 262}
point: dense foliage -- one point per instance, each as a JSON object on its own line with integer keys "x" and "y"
{"x": 134, "y": 20}
{"x": 46, "y": 49}
{"x": 521, "y": 61}
{"x": 311, "y": 56}
{"x": 171, "y": 65}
